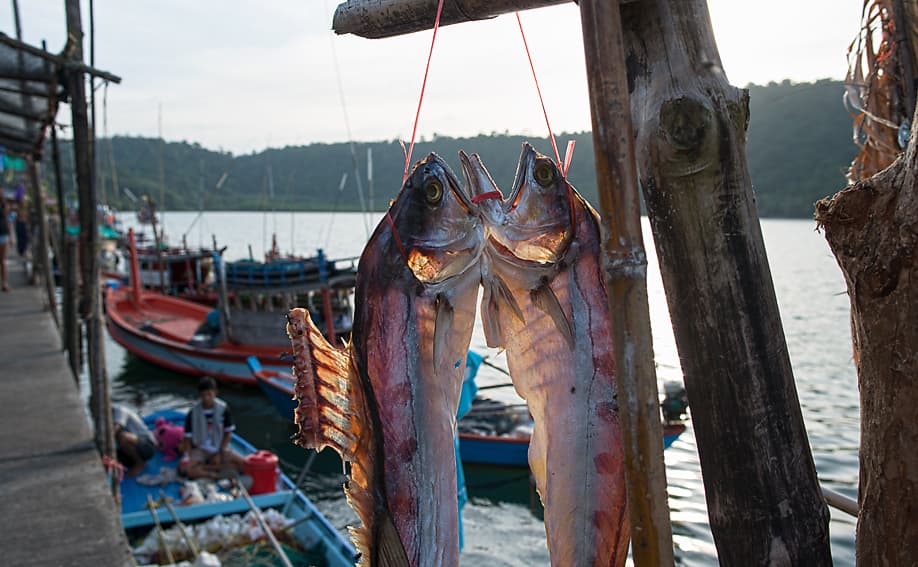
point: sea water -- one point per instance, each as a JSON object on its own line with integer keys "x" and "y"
{"x": 502, "y": 521}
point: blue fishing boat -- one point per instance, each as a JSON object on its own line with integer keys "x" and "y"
{"x": 313, "y": 535}
{"x": 491, "y": 433}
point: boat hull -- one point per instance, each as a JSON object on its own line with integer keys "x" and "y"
{"x": 129, "y": 326}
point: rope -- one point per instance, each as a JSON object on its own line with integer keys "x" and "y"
{"x": 395, "y": 237}
{"x": 417, "y": 114}
{"x": 538, "y": 90}
{"x": 113, "y": 468}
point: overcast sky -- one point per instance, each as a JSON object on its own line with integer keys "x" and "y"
{"x": 244, "y": 75}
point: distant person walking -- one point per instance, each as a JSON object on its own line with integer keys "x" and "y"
{"x": 4, "y": 242}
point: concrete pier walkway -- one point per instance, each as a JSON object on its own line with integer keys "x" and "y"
{"x": 55, "y": 507}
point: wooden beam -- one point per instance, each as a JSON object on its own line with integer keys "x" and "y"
{"x": 625, "y": 270}
{"x": 387, "y": 18}
{"x": 764, "y": 502}
{"x": 63, "y": 62}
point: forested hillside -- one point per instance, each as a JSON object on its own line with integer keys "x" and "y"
{"x": 799, "y": 145}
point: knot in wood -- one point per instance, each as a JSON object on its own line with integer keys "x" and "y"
{"x": 685, "y": 122}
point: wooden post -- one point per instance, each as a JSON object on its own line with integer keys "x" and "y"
{"x": 136, "y": 287}
{"x": 764, "y": 503}
{"x": 625, "y": 270}
{"x": 89, "y": 238}
{"x": 226, "y": 329}
{"x": 41, "y": 247}
{"x": 871, "y": 227}
{"x": 72, "y": 328}
{"x": 67, "y": 264}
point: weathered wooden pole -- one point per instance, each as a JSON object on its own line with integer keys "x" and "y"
{"x": 68, "y": 267}
{"x": 89, "y": 240}
{"x": 764, "y": 502}
{"x": 41, "y": 246}
{"x": 625, "y": 270}
{"x": 872, "y": 228}
{"x": 384, "y": 18}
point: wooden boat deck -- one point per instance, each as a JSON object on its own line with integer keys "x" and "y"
{"x": 57, "y": 509}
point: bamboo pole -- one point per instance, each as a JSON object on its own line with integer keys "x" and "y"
{"x": 68, "y": 267}
{"x": 89, "y": 238}
{"x": 41, "y": 246}
{"x": 764, "y": 502}
{"x": 625, "y": 271}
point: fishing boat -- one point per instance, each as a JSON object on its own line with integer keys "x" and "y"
{"x": 492, "y": 432}
{"x": 198, "y": 340}
{"x": 306, "y": 531}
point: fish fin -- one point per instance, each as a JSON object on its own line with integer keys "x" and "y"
{"x": 496, "y": 301}
{"x": 442, "y": 327}
{"x": 389, "y": 549}
{"x": 545, "y": 299}
{"x": 328, "y": 410}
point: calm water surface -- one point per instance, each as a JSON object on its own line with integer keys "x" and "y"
{"x": 502, "y": 521}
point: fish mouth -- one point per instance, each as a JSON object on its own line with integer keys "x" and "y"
{"x": 528, "y": 156}
{"x": 481, "y": 185}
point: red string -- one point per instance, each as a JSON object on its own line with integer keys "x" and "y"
{"x": 485, "y": 196}
{"x": 538, "y": 90}
{"x": 568, "y": 156}
{"x": 113, "y": 467}
{"x": 395, "y": 237}
{"x": 417, "y": 115}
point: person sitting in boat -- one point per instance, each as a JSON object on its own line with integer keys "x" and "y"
{"x": 208, "y": 428}
{"x": 134, "y": 442}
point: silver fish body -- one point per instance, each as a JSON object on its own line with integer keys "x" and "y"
{"x": 388, "y": 402}
{"x": 545, "y": 302}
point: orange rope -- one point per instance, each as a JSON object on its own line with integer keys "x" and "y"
{"x": 417, "y": 114}
{"x": 538, "y": 90}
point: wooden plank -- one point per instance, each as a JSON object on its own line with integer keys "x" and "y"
{"x": 764, "y": 502}
{"x": 625, "y": 271}
{"x": 387, "y": 18}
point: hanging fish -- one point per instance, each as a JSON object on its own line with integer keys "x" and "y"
{"x": 387, "y": 403}
{"x": 545, "y": 302}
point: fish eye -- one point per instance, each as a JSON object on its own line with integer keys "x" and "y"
{"x": 433, "y": 191}
{"x": 544, "y": 174}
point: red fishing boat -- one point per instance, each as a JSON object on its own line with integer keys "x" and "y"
{"x": 197, "y": 340}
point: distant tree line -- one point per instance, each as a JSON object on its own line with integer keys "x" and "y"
{"x": 799, "y": 145}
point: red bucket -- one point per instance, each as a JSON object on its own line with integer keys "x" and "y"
{"x": 262, "y": 467}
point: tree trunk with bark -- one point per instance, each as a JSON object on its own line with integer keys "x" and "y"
{"x": 872, "y": 228}
{"x": 764, "y": 503}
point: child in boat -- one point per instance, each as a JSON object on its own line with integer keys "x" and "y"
{"x": 135, "y": 443}
{"x": 208, "y": 429}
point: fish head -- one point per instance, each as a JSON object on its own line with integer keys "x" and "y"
{"x": 537, "y": 224}
{"x": 439, "y": 227}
